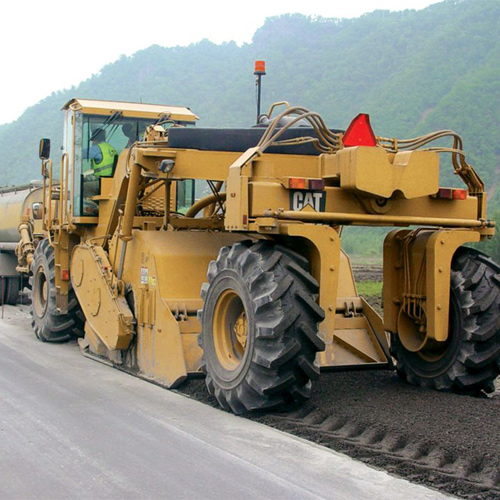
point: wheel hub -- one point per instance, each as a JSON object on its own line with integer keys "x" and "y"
{"x": 240, "y": 329}
{"x": 230, "y": 330}
{"x": 40, "y": 292}
{"x": 412, "y": 331}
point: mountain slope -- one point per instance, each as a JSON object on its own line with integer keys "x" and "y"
{"x": 413, "y": 71}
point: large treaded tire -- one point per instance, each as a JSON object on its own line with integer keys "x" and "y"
{"x": 48, "y": 324}
{"x": 470, "y": 361}
{"x": 273, "y": 287}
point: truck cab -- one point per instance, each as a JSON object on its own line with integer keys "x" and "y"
{"x": 91, "y": 123}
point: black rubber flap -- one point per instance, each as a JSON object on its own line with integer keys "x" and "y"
{"x": 237, "y": 139}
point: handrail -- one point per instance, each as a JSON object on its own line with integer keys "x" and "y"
{"x": 49, "y": 203}
{"x": 65, "y": 200}
{"x": 44, "y": 194}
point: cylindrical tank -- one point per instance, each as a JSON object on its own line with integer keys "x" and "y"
{"x": 15, "y": 202}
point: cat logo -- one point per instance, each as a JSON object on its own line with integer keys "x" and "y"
{"x": 312, "y": 201}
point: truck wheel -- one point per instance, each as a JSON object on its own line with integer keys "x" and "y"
{"x": 469, "y": 360}
{"x": 49, "y": 325}
{"x": 259, "y": 327}
{"x": 11, "y": 288}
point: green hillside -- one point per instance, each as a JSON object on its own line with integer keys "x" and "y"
{"x": 413, "y": 71}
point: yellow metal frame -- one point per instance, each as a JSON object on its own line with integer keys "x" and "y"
{"x": 131, "y": 109}
{"x": 432, "y": 250}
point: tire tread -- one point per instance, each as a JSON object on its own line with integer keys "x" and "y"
{"x": 286, "y": 340}
{"x": 477, "y": 362}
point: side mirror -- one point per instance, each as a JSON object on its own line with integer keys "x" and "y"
{"x": 44, "y": 151}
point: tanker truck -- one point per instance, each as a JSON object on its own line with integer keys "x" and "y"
{"x": 21, "y": 211}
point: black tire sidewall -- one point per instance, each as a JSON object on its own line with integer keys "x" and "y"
{"x": 279, "y": 297}
{"x": 425, "y": 369}
{"x": 227, "y": 280}
{"x": 470, "y": 362}
{"x": 42, "y": 321}
{"x": 12, "y": 289}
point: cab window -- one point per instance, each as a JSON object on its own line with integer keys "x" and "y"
{"x": 100, "y": 139}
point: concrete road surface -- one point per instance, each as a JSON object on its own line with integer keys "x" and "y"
{"x": 73, "y": 428}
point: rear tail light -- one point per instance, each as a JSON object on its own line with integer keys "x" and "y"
{"x": 296, "y": 183}
{"x": 302, "y": 183}
{"x": 359, "y": 132}
{"x": 460, "y": 194}
{"x": 316, "y": 184}
{"x": 452, "y": 194}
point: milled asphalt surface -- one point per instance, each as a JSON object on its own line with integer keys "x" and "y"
{"x": 74, "y": 428}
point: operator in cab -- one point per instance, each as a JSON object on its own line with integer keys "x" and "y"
{"x": 102, "y": 154}
{"x": 103, "y": 157}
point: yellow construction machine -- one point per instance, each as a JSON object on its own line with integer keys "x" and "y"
{"x": 218, "y": 252}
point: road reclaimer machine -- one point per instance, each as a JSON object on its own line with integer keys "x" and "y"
{"x": 218, "y": 252}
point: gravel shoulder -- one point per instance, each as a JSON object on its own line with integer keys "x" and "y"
{"x": 443, "y": 440}
{"x": 448, "y": 441}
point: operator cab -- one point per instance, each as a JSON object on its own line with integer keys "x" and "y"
{"x": 95, "y": 134}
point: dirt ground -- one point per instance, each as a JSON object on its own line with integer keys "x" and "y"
{"x": 443, "y": 440}
{"x": 367, "y": 272}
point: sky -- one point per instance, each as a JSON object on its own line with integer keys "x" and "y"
{"x": 51, "y": 45}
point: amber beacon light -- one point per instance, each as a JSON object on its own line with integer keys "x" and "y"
{"x": 259, "y": 71}
{"x": 260, "y": 68}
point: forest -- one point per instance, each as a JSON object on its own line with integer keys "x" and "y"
{"x": 413, "y": 71}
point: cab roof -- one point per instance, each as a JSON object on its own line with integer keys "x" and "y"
{"x": 131, "y": 109}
